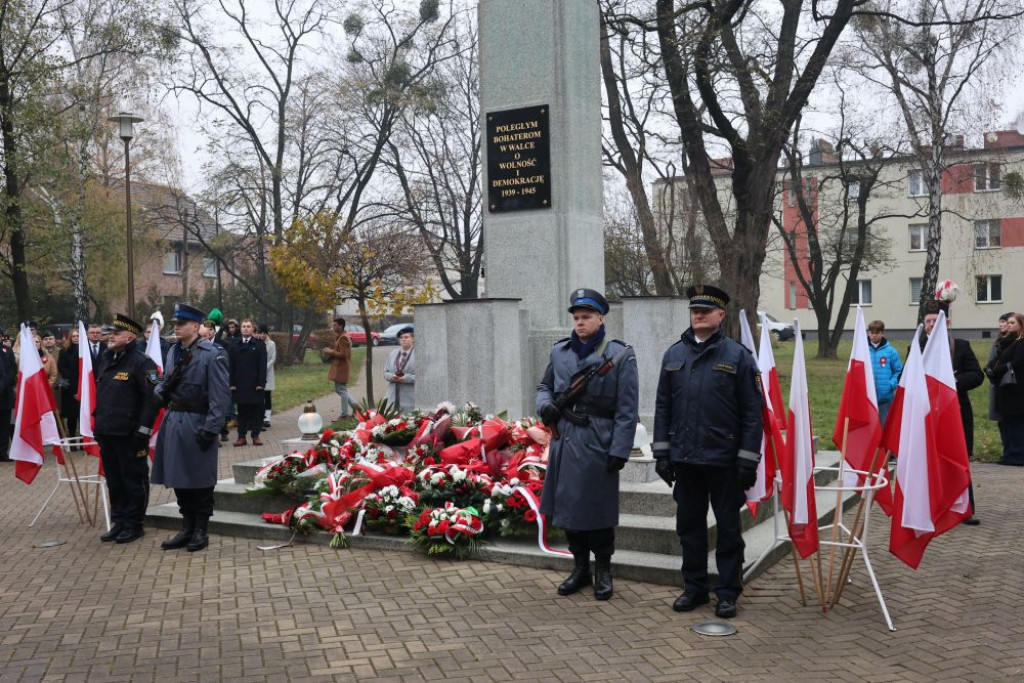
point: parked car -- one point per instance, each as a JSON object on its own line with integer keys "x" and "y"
{"x": 357, "y": 333}
{"x": 389, "y": 337}
{"x": 779, "y": 330}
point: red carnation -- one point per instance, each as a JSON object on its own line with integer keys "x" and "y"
{"x": 530, "y": 516}
{"x": 392, "y": 514}
{"x": 442, "y": 528}
{"x": 417, "y": 526}
{"x": 535, "y": 485}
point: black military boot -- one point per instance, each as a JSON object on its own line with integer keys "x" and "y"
{"x": 199, "y": 538}
{"x": 188, "y": 529}
{"x": 580, "y": 576}
{"x": 602, "y": 577}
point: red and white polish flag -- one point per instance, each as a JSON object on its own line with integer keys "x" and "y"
{"x": 932, "y": 473}
{"x": 86, "y": 394}
{"x": 153, "y": 351}
{"x": 859, "y": 405}
{"x": 771, "y": 436}
{"x": 35, "y": 421}
{"x": 797, "y": 463}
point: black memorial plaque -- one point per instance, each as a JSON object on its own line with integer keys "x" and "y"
{"x": 518, "y": 159}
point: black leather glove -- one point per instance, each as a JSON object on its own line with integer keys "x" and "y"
{"x": 663, "y": 468}
{"x": 205, "y": 439}
{"x": 550, "y": 413}
{"x": 141, "y": 443}
{"x": 746, "y": 476}
{"x": 616, "y": 464}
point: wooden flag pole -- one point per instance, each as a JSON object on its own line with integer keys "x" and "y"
{"x": 837, "y": 515}
{"x": 855, "y": 530}
{"x": 816, "y": 573}
{"x": 796, "y": 564}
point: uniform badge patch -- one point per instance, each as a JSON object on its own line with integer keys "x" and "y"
{"x": 725, "y": 367}
{"x": 121, "y": 376}
{"x": 153, "y": 376}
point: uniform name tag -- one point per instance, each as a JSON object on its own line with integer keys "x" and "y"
{"x": 726, "y": 367}
{"x": 122, "y": 376}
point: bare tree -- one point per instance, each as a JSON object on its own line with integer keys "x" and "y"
{"x": 932, "y": 69}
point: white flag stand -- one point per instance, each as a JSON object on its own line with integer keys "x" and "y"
{"x": 856, "y": 538}
{"x": 75, "y": 479}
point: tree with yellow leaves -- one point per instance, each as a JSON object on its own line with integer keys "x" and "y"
{"x": 379, "y": 267}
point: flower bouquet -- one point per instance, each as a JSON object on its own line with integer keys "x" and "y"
{"x": 447, "y": 530}
{"x": 507, "y": 511}
{"x": 388, "y": 510}
{"x": 463, "y": 487}
{"x": 395, "y": 432}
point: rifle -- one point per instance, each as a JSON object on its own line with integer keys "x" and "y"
{"x": 579, "y": 385}
{"x": 174, "y": 379}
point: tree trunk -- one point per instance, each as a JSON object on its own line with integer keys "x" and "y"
{"x": 931, "y": 265}
{"x": 12, "y": 190}
{"x": 365, "y": 319}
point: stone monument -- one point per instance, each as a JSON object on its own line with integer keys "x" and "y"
{"x": 543, "y": 225}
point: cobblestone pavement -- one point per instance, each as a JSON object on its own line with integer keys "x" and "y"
{"x": 91, "y": 611}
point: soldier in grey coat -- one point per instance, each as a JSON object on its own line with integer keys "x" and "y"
{"x": 595, "y": 435}
{"x": 195, "y": 390}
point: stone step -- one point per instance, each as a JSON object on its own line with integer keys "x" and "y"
{"x": 653, "y": 567}
{"x": 234, "y": 497}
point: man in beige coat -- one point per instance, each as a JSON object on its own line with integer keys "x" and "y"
{"x": 341, "y": 358}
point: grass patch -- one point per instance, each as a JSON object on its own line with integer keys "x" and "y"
{"x": 825, "y": 386}
{"x": 297, "y": 383}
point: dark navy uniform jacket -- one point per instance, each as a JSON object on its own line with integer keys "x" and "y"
{"x": 124, "y": 391}
{"x": 708, "y": 409}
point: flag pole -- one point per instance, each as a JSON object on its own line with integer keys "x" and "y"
{"x": 73, "y": 476}
{"x": 796, "y": 564}
{"x": 837, "y": 514}
{"x": 858, "y": 526}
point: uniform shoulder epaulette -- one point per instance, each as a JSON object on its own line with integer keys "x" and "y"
{"x": 677, "y": 342}
{"x": 561, "y": 341}
{"x": 618, "y": 341}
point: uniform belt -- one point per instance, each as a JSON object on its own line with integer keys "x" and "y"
{"x": 183, "y": 407}
{"x": 586, "y": 410}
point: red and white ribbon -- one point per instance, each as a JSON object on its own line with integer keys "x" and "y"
{"x": 542, "y": 524}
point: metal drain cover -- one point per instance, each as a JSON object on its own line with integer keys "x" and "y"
{"x": 714, "y": 628}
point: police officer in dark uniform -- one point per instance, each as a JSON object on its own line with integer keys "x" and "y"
{"x": 195, "y": 391}
{"x": 123, "y": 422}
{"x": 707, "y": 439}
{"x": 595, "y": 430}
{"x": 8, "y": 379}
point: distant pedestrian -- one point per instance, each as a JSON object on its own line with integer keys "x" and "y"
{"x": 1006, "y": 372}
{"x": 886, "y": 367}
{"x": 248, "y": 363}
{"x": 94, "y": 334}
{"x": 50, "y": 344}
{"x": 67, "y": 367}
{"x": 268, "y": 389}
{"x": 341, "y": 360}
{"x": 8, "y": 381}
{"x": 993, "y": 353}
{"x": 400, "y": 372}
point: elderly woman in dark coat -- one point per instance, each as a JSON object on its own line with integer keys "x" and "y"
{"x": 1006, "y": 372}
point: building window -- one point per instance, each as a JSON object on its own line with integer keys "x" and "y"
{"x": 915, "y": 290}
{"x": 172, "y": 263}
{"x": 987, "y": 234}
{"x": 792, "y": 296}
{"x": 986, "y": 177}
{"x": 853, "y": 190}
{"x": 990, "y": 288}
{"x": 862, "y": 293}
{"x": 209, "y": 267}
{"x": 917, "y": 186}
{"x": 918, "y": 237}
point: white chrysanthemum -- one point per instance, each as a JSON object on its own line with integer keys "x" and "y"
{"x": 436, "y": 478}
{"x": 500, "y": 507}
{"x": 514, "y": 481}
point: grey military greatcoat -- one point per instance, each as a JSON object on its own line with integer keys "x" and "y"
{"x": 178, "y": 462}
{"x": 580, "y": 493}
